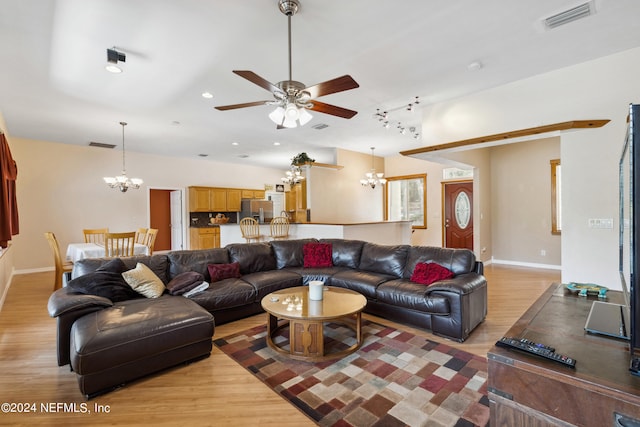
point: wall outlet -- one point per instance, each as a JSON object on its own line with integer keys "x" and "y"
{"x": 601, "y": 223}
{"x": 543, "y": 252}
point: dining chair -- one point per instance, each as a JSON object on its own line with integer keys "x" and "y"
{"x": 150, "y": 239}
{"x": 141, "y": 235}
{"x": 279, "y": 228}
{"x": 119, "y": 244}
{"x": 250, "y": 229}
{"x": 95, "y": 235}
{"x": 63, "y": 267}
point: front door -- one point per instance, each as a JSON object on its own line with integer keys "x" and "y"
{"x": 458, "y": 215}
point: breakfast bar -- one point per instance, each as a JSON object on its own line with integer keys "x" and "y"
{"x": 382, "y": 232}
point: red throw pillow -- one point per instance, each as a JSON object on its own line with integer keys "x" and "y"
{"x": 317, "y": 255}
{"x": 224, "y": 271}
{"x": 428, "y": 272}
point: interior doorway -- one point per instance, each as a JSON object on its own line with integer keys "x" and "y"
{"x": 166, "y": 214}
{"x": 458, "y": 214}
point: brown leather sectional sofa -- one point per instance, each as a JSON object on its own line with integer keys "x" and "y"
{"x": 450, "y": 308}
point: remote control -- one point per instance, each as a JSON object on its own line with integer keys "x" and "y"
{"x": 536, "y": 349}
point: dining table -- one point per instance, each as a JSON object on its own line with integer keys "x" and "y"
{"x": 78, "y": 251}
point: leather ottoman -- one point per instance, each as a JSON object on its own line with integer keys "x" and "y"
{"x": 134, "y": 338}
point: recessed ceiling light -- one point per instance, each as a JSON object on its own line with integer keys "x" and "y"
{"x": 474, "y": 66}
{"x": 203, "y": 155}
{"x": 235, "y": 143}
{"x": 207, "y": 95}
{"x": 243, "y": 156}
{"x": 276, "y": 143}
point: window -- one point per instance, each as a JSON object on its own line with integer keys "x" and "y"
{"x": 406, "y": 199}
{"x": 556, "y": 197}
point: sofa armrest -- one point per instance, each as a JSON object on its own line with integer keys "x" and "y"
{"x": 64, "y": 301}
{"x": 462, "y": 284}
{"x": 479, "y": 268}
{"x": 68, "y": 306}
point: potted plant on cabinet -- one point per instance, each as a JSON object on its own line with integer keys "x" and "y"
{"x": 301, "y": 159}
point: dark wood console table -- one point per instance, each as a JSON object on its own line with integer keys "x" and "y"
{"x": 526, "y": 390}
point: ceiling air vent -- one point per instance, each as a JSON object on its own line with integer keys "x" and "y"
{"x": 570, "y": 15}
{"x": 101, "y": 145}
{"x": 320, "y": 126}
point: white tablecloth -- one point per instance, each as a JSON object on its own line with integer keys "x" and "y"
{"x": 78, "y": 251}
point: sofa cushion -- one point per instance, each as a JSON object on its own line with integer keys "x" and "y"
{"x": 144, "y": 281}
{"x": 426, "y": 273}
{"x": 384, "y": 259}
{"x": 317, "y": 255}
{"x": 345, "y": 253}
{"x": 363, "y": 282}
{"x": 457, "y": 260}
{"x": 253, "y": 257}
{"x": 184, "y": 282}
{"x": 226, "y": 294}
{"x": 158, "y": 263}
{"x": 289, "y": 253}
{"x": 106, "y": 281}
{"x": 196, "y": 260}
{"x": 266, "y": 282}
{"x": 224, "y": 271}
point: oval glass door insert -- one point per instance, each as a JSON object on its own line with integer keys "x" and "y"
{"x": 463, "y": 210}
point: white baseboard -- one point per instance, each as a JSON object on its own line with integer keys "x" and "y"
{"x": 6, "y": 289}
{"x": 525, "y": 264}
{"x": 34, "y": 270}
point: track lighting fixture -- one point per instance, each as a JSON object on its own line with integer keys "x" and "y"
{"x": 113, "y": 57}
{"x": 383, "y": 117}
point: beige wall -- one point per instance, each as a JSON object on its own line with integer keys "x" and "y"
{"x": 60, "y": 189}
{"x": 337, "y": 196}
{"x": 521, "y": 203}
{"x": 599, "y": 89}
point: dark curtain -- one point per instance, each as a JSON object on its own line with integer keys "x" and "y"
{"x": 8, "y": 203}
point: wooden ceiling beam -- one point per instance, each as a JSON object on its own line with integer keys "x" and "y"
{"x": 574, "y": 124}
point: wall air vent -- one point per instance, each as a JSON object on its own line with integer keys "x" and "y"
{"x": 573, "y": 14}
{"x": 101, "y": 145}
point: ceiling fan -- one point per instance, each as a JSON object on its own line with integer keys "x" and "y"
{"x": 292, "y": 98}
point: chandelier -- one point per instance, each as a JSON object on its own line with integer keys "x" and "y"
{"x": 373, "y": 178}
{"x": 293, "y": 176}
{"x": 122, "y": 182}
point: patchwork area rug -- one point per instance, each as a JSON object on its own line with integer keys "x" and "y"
{"x": 394, "y": 379}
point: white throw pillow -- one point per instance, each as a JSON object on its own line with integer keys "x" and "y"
{"x": 144, "y": 281}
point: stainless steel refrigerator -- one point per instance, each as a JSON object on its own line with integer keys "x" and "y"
{"x": 261, "y": 210}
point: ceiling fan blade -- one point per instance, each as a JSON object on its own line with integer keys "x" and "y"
{"x": 246, "y": 104}
{"x": 256, "y": 79}
{"x": 321, "y": 107}
{"x": 338, "y": 84}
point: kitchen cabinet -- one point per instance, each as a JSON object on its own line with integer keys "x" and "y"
{"x": 199, "y": 199}
{"x": 219, "y": 200}
{"x": 253, "y": 194}
{"x": 216, "y": 199}
{"x": 204, "y": 238}
{"x": 234, "y": 198}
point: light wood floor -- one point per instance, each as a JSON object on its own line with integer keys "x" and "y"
{"x": 215, "y": 391}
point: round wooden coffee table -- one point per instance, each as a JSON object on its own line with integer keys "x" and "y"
{"x": 305, "y": 319}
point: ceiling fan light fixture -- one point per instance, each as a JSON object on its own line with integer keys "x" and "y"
{"x": 305, "y": 116}
{"x": 277, "y": 115}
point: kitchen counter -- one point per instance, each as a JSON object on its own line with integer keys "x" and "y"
{"x": 382, "y": 232}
